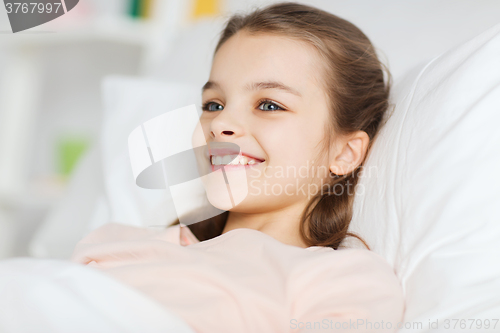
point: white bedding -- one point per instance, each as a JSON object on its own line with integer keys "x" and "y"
{"x": 45, "y": 295}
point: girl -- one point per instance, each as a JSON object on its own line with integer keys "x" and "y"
{"x": 302, "y": 93}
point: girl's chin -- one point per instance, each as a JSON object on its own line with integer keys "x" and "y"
{"x": 225, "y": 197}
{"x": 225, "y": 203}
{"x": 227, "y": 189}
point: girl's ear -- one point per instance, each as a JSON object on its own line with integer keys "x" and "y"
{"x": 348, "y": 152}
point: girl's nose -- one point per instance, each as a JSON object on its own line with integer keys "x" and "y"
{"x": 227, "y": 125}
{"x": 223, "y": 133}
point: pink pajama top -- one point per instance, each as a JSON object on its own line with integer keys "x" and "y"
{"x": 246, "y": 281}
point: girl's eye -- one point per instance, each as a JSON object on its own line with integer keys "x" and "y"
{"x": 269, "y": 105}
{"x": 208, "y": 106}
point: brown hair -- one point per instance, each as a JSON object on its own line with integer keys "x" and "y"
{"x": 358, "y": 98}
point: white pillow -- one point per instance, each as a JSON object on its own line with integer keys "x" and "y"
{"x": 128, "y": 103}
{"x": 431, "y": 202}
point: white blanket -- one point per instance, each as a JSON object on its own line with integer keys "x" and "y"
{"x": 47, "y": 295}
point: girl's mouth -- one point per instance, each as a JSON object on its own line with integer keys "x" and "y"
{"x": 229, "y": 162}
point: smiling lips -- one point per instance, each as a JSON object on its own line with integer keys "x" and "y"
{"x": 228, "y": 157}
{"x": 232, "y": 160}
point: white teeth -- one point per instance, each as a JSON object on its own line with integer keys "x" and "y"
{"x": 232, "y": 160}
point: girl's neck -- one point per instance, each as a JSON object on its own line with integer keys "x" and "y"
{"x": 282, "y": 225}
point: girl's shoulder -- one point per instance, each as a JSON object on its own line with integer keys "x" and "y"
{"x": 356, "y": 279}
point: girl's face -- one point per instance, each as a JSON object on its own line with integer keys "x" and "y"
{"x": 264, "y": 94}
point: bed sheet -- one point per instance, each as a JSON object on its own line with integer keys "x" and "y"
{"x": 48, "y": 295}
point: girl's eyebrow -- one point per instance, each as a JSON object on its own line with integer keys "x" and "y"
{"x": 255, "y": 86}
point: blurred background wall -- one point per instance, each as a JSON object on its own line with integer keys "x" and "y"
{"x": 50, "y": 76}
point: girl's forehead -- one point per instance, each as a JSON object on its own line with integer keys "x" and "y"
{"x": 267, "y": 47}
{"x": 264, "y": 57}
